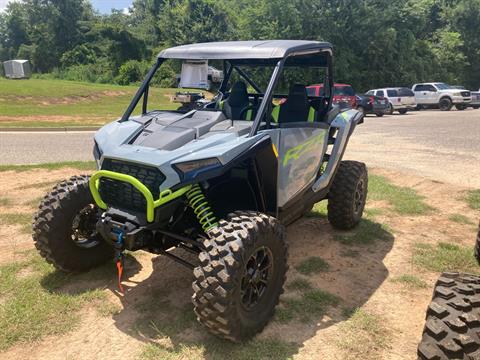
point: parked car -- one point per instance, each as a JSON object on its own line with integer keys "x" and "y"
{"x": 371, "y": 104}
{"x": 343, "y": 94}
{"x": 475, "y": 103}
{"x": 399, "y": 99}
{"x": 441, "y": 95}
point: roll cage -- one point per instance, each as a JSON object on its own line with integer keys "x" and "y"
{"x": 295, "y": 53}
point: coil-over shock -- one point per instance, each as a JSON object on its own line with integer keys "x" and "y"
{"x": 198, "y": 202}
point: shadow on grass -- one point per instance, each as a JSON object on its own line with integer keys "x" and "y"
{"x": 159, "y": 307}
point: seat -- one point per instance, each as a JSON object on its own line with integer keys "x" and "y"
{"x": 296, "y": 108}
{"x": 236, "y": 102}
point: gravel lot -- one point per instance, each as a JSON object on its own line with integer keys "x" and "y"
{"x": 444, "y": 146}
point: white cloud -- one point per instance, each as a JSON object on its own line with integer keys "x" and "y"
{"x": 3, "y": 4}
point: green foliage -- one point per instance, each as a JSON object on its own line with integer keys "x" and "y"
{"x": 401, "y": 42}
{"x": 410, "y": 281}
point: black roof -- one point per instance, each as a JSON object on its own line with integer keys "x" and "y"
{"x": 229, "y": 50}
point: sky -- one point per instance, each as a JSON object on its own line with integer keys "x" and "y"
{"x": 103, "y": 6}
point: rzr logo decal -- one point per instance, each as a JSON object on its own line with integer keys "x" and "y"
{"x": 295, "y": 152}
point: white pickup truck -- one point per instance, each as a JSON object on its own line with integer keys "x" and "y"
{"x": 440, "y": 95}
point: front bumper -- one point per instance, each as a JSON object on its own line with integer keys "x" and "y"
{"x": 164, "y": 197}
{"x": 461, "y": 100}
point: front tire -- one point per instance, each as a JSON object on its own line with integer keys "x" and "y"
{"x": 64, "y": 228}
{"x": 241, "y": 276}
{"x": 379, "y": 114}
{"x": 402, "y": 111}
{"x": 348, "y": 195}
{"x": 445, "y": 104}
{"x": 452, "y": 329}
{"x": 390, "y": 109}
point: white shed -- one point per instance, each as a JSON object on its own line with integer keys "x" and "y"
{"x": 17, "y": 69}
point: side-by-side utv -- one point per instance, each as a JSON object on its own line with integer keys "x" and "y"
{"x": 221, "y": 181}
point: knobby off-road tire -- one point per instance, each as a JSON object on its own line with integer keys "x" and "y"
{"x": 452, "y": 329}
{"x": 53, "y": 231}
{"x": 348, "y": 194}
{"x": 477, "y": 246}
{"x": 221, "y": 281}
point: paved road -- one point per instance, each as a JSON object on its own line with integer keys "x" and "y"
{"x": 440, "y": 145}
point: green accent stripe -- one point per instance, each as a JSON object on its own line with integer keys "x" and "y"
{"x": 164, "y": 197}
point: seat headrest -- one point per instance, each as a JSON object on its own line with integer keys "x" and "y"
{"x": 297, "y": 97}
{"x": 238, "y": 94}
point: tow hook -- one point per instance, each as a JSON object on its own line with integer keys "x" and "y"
{"x": 119, "y": 256}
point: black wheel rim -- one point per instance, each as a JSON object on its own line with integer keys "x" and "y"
{"x": 359, "y": 197}
{"x": 256, "y": 277}
{"x": 84, "y": 233}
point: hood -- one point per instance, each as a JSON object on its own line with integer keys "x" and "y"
{"x": 163, "y": 138}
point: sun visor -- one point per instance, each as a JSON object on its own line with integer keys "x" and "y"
{"x": 194, "y": 75}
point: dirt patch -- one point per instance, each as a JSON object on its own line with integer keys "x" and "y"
{"x": 66, "y": 100}
{"x": 156, "y": 308}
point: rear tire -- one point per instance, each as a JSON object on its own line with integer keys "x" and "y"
{"x": 229, "y": 279}
{"x": 64, "y": 228}
{"x": 452, "y": 329}
{"x": 379, "y": 114}
{"x": 445, "y": 104}
{"x": 390, "y": 109}
{"x": 348, "y": 195}
{"x": 476, "y": 107}
{"x": 402, "y": 111}
{"x": 460, "y": 107}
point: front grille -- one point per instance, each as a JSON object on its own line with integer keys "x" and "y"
{"x": 465, "y": 93}
{"x": 122, "y": 195}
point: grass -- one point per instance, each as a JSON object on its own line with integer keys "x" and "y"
{"x": 312, "y": 265}
{"x": 404, "y": 201}
{"x": 460, "y": 219}
{"x": 31, "y": 308}
{"x": 365, "y": 233}
{"x": 445, "y": 257}
{"x": 213, "y": 349}
{"x": 20, "y": 219}
{"x": 363, "y": 336}
{"x": 79, "y": 103}
{"x": 299, "y": 284}
{"x": 410, "y": 281}
{"x": 473, "y": 199}
{"x": 80, "y": 165}
{"x": 38, "y": 185}
{"x": 34, "y": 203}
{"x": 312, "y": 304}
{"x": 5, "y": 201}
{"x": 319, "y": 210}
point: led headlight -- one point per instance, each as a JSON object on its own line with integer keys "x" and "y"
{"x": 189, "y": 166}
{"x": 97, "y": 154}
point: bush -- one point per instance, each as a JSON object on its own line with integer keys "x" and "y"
{"x": 131, "y": 71}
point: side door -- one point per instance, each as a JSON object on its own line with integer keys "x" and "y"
{"x": 432, "y": 94}
{"x": 301, "y": 148}
{"x": 420, "y": 94}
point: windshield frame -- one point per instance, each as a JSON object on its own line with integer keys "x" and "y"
{"x": 143, "y": 90}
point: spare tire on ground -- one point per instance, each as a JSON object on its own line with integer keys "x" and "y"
{"x": 452, "y": 328}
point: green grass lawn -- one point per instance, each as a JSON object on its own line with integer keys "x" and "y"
{"x": 69, "y": 103}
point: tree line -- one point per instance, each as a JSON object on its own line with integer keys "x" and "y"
{"x": 376, "y": 42}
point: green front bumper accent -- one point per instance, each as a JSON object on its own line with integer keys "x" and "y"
{"x": 164, "y": 197}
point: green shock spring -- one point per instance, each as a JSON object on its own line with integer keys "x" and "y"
{"x": 198, "y": 202}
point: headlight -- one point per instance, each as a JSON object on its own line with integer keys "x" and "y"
{"x": 188, "y": 166}
{"x": 97, "y": 154}
{"x": 457, "y": 94}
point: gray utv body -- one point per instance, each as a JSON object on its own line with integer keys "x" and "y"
{"x": 201, "y": 181}
{"x": 293, "y": 163}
